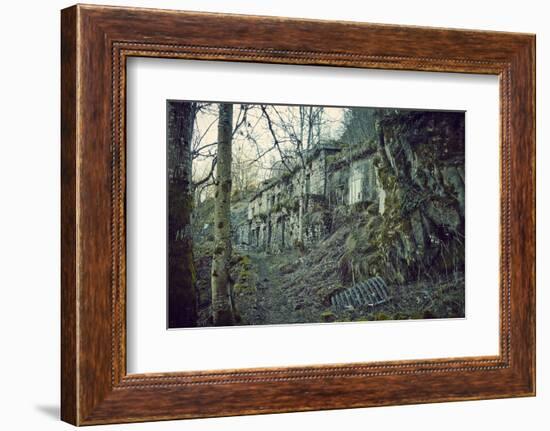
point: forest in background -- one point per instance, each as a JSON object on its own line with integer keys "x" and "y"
{"x": 303, "y": 214}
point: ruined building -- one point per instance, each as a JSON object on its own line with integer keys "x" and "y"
{"x": 398, "y": 199}
{"x": 296, "y": 208}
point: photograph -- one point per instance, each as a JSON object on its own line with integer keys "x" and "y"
{"x": 289, "y": 214}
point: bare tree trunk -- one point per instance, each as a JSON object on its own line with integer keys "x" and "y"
{"x": 301, "y": 207}
{"x": 222, "y": 307}
{"x": 182, "y": 296}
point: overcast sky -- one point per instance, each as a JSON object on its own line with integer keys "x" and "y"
{"x": 251, "y": 142}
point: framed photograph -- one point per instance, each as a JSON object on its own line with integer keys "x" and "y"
{"x": 264, "y": 215}
{"x": 322, "y": 208}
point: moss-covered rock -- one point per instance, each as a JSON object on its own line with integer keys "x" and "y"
{"x": 420, "y": 227}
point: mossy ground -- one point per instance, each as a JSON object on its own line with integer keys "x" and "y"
{"x": 296, "y": 288}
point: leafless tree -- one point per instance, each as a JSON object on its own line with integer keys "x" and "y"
{"x": 222, "y": 306}
{"x": 301, "y": 127}
{"x": 182, "y": 311}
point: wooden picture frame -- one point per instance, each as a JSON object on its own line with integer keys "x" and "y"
{"x": 95, "y": 43}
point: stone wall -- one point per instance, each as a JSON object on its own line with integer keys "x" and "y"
{"x": 328, "y": 181}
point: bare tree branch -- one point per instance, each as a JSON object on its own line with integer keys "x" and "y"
{"x": 209, "y": 176}
{"x": 274, "y": 136}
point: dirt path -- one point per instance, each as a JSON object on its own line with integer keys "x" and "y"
{"x": 273, "y": 304}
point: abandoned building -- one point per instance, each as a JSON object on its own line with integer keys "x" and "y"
{"x": 295, "y": 208}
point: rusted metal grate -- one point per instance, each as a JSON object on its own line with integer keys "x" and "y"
{"x": 371, "y": 292}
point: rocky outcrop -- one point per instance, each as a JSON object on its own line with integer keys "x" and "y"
{"x": 417, "y": 231}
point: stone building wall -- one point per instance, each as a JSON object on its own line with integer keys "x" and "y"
{"x": 328, "y": 181}
{"x": 362, "y": 181}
